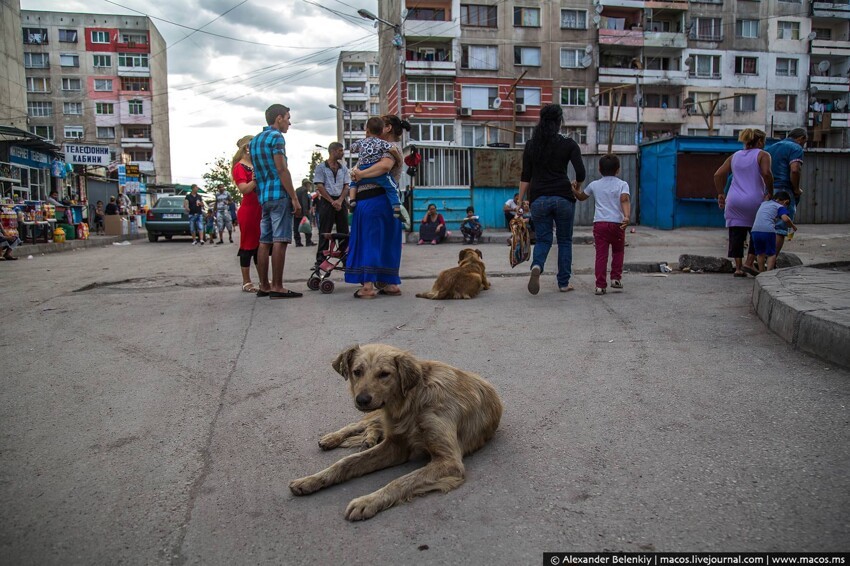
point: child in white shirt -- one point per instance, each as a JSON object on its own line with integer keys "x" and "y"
{"x": 610, "y": 220}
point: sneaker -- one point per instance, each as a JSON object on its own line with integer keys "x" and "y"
{"x": 616, "y": 284}
{"x": 534, "y": 280}
{"x": 420, "y": 242}
{"x": 566, "y": 289}
{"x": 599, "y": 291}
{"x": 194, "y": 242}
{"x": 201, "y": 242}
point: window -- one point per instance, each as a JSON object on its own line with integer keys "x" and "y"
{"x": 72, "y": 108}
{"x": 430, "y": 90}
{"x": 45, "y": 132}
{"x": 136, "y": 83}
{"x": 745, "y": 103}
{"x": 102, "y": 60}
{"x": 374, "y": 90}
{"x": 100, "y": 37}
{"x": 478, "y": 16}
{"x": 136, "y": 108}
{"x": 373, "y": 70}
{"x": 139, "y": 154}
{"x": 573, "y": 19}
{"x": 786, "y": 67}
{"x": 526, "y": 17}
{"x": 707, "y": 29}
{"x": 528, "y": 96}
{"x": 747, "y": 28}
{"x": 68, "y": 36}
{"x": 104, "y": 108}
{"x": 746, "y": 65}
{"x": 132, "y": 59}
{"x": 706, "y": 66}
{"x": 427, "y": 14}
{"x": 374, "y": 108}
{"x": 659, "y": 26}
{"x": 35, "y": 36}
{"x": 523, "y": 134}
{"x": 74, "y": 132}
{"x": 785, "y": 103}
{"x": 103, "y": 85}
{"x": 69, "y": 60}
{"x": 106, "y": 133}
{"x": 72, "y": 84}
{"x": 482, "y": 57}
{"x": 527, "y": 56}
{"x": 134, "y": 39}
{"x": 137, "y": 132}
{"x": 36, "y": 61}
{"x": 38, "y": 84}
{"x": 822, "y": 33}
{"x": 624, "y": 133}
{"x": 788, "y": 30}
{"x": 40, "y": 109}
{"x": 477, "y": 136}
{"x": 571, "y": 58}
{"x": 477, "y": 97}
{"x": 432, "y": 130}
{"x": 574, "y": 97}
{"x": 577, "y": 133}
{"x": 701, "y": 104}
{"x": 657, "y": 100}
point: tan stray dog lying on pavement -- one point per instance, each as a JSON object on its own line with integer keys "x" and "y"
{"x": 425, "y": 408}
{"x": 462, "y": 282}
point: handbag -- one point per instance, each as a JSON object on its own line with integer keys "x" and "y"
{"x": 305, "y": 227}
{"x": 520, "y": 242}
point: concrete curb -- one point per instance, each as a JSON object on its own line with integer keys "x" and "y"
{"x": 69, "y": 245}
{"x": 802, "y": 320}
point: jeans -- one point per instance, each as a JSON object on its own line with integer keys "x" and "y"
{"x": 196, "y": 225}
{"x": 547, "y": 211}
{"x": 276, "y": 223}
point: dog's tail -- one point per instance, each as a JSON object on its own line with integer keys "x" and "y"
{"x": 429, "y": 295}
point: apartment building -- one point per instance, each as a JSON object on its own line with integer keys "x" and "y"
{"x": 13, "y": 98}
{"x": 100, "y": 80}
{"x": 358, "y": 95}
{"x": 623, "y": 70}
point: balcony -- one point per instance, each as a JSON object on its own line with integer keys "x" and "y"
{"x": 146, "y": 167}
{"x": 670, "y": 40}
{"x": 837, "y": 120}
{"x": 359, "y": 77}
{"x": 661, "y": 5}
{"x": 358, "y": 115}
{"x": 629, "y": 3}
{"x": 830, "y": 84}
{"x": 134, "y": 71}
{"x": 355, "y": 95}
{"x": 621, "y": 37}
{"x": 431, "y": 68}
{"x": 829, "y": 47}
{"x": 627, "y": 113}
{"x": 840, "y": 9}
{"x": 662, "y": 115}
{"x": 141, "y": 143}
{"x": 425, "y": 29}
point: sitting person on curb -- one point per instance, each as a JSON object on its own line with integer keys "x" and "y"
{"x": 471, "y": 228}
{"x": 7, "y": 244}
{"x": 433, "y": 227}
{"x": 510, "y": 209}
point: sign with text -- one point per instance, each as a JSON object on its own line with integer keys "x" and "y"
{"x": 77, "y": 154}
{"x": 132, "y": 170}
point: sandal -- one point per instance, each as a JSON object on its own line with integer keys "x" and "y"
{"x": 390, "y": 293}
{"x": 357, "y": 295}
{"x": 739, "y": 274}
{"x": 249, "y": 288}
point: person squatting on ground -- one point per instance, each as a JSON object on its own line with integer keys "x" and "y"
{"x": 612, "y": 210}
{"x": 332, "y": 179}
{"x": 545, "y": 160}
{"x": 250, "y": 213}
{"x": 787, "y": 168}
{"x": 471, "y": 227}
{"x": 433, "y": 227}
{"x": 277, "y": 198}
{"x": 194, "y": 207}
{"x": 222, "y": 216}
{"x": 370, "y": 150}
{"x": 764, "y": 228}
{"x": 302, "y": 193}
{"x": 751, "y": 181}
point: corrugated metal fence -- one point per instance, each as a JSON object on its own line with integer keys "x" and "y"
{"x": 826, "y": 188}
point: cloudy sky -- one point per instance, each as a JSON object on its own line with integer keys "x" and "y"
{"x": 280, "y": 51}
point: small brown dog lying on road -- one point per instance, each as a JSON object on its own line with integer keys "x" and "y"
{"x": 462, "y": 282}
{"x": 420, "y": 408}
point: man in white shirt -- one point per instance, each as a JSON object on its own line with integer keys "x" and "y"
{"x": 331, "y": 179}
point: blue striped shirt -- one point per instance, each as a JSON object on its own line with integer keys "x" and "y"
{"x": 263, "y": 148}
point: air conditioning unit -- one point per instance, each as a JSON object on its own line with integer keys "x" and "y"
{"x": 464, "y": 112}
{"x": 520, "y": 108}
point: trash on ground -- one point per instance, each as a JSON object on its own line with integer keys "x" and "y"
{"x": 657, "y": 275}
{"x": 124, "y": 243}
{"x": 664, "y": 268}
{"x": 29, "y": 257}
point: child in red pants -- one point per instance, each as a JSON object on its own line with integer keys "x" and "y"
{"x": 609, "y": 221}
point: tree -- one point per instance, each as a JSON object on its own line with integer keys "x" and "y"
{"x": 219, "y": 176}
{"x": 315, "y": 159}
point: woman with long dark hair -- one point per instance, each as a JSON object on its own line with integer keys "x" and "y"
{"x": 546, "y": 184}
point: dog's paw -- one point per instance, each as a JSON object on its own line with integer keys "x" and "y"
{"x": 330, "y": 441}
{"x": 363, "y": 508}
{"x": 305, "y": 486}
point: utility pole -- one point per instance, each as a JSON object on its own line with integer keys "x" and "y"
{"x": 512, "y": 97}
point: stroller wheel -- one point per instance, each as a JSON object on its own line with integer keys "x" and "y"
{"x": 327, "y": 286}
{"x": 314, "y": 282}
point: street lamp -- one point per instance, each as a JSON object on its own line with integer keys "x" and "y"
{"x": 398, "y": 41}
{"x": 348, "y": 132}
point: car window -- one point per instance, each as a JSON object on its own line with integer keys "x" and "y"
{"x": 170, "y": 202}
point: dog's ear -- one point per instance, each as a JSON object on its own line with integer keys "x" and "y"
{"x": 480, "y": 255}
{"x": 461, "y": 255}
{"x": 342, "y": 363}
{"x": 409, "y": 371}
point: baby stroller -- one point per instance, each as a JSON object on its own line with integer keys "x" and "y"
{"x": 335, "y": 257}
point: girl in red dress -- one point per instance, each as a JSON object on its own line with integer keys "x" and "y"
{"x": 249, "y": 213}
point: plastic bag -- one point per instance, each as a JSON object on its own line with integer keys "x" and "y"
{"x": 305, "y": 227}
{"x": 520, "y": 242}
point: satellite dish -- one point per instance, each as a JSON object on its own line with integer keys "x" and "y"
{"x": 813, "y": 89}
{"x": 587, "y": 61}
{"x": 403, "y": 15}
{"x": 588, "y": 49}
{"x": 598, "y": 9}
{"x": 823, "y": 66}
{"x": 812, "y": 36}
{"x": 596, "y": 19}
{"x": 841, "y": 104}
{"x": 497, "y": 102}
{"x": 688, "y": 62}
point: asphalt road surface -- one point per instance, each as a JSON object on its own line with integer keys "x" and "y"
{"x": 154, "y": 414}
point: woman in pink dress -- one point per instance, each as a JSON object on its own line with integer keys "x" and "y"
{"x": 249, "y": 213}
{"x": 752, "y": 184}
